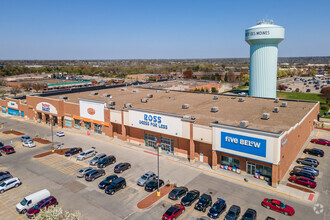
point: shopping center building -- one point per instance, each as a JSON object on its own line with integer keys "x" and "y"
{"x": 246, "y": 135}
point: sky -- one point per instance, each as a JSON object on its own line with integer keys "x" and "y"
{"x": 156, "y": 29}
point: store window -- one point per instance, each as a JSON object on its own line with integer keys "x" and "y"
{"x": 77, "y": 123}
{"x": 167, "y": 144}
{"x": 150, "y": 140}
{"x": 253, "y": 168}
{"x": 98, "y": 128}
{"x": 87, "y": 125}
{"x": 68, "y": 123}
{"x": 229, "y": 161}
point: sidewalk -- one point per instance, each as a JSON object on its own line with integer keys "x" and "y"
{"x": 219, "y": 173}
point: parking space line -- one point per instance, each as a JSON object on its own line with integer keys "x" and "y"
{"x": 72, "y": 170}
{"x": 198, "y": 213}
{"x": 4, "y": 204}
{"x": 317, "y": 134}
{"x": 187, "y": 211}
{"x": 121, "y": 191}
{"x": 169, "y": 201}
{"x": 5, "y": 214}
{"x": 142, "y": 188}
{"x": 69, "y": 168}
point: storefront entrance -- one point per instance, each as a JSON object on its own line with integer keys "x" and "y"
{"x": 250, "y": 168}
{"x": 150, "y": 140}
{"x": 87, "y": 125}
{"x": 98, "y": 128}
{"x": 167, "y": 144}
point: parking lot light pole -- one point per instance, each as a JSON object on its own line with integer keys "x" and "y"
{"x": 51, "y": 128}
{"x": 158, "y": 193}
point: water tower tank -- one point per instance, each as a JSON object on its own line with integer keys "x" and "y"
{"x": 263, "y": 40}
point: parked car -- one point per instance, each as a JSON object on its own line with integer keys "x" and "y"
{"x": 269, "y": 218}
{"x": 278, "y": 206}
{"x": 146, "y": 178}
{"x": 107, "y": 181}
{"x": 250, "y": 214}
{"x": 4, "y": 176}
{"x": 28, "y": 143}
{"x": 73, "y": 151}
{"x": 9, "y": 183}
{"x": 217, "y": 208}
{"x": 116, "y": 185}
{"x": 233, "y": 213}
{"x": 81, "y": 173}
{"x": 94, "y": 174}
{"x": 321, "y": 141}
{"x": 7, "y": 150}
{"x": 86, "y": 154}
{"x": 308, "y": 161}
{"x": 303, "y": 173}
{"x": 204, "y": 201}
{"x": 173, "y": 212}
{"x": 1, "y": 144}
{"x": 304, "y": 181}
{"x": 30, "y": 200}
{"x": 25, "y": 138}
{"x": 190, "y": 198}
{"x": 45, "y": 203}
{"x": 119, "y": 168}
{"x": 307, "y": 168}
{"x": 153, "y": 184}
{"x": 314, "y": 151}
{"x": 96, "y": 159}
{"x": 106, "y": 161}
{"x": 60, "y": 134}
{"x": 177, "y": 193}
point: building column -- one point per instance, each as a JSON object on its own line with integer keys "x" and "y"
{"x": 192, "y": 144}
{"x": 214, "y": 160}
{"x": 275, "y": 176}
{"x": 123, "y": 127}
{"x": 111, "y": 130}
{"x": 43, "y": 116}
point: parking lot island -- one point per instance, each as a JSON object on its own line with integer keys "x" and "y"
{"x": 153, "y": 198}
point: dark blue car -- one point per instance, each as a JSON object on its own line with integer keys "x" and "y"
{"x": 217, "y": 208}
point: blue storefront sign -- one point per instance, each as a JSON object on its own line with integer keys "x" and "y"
{"x": 22, "y": 113}
{"x": 68, "y": 123}
{"x": 13, "y": 112}
{"x": 4, "y": 109}
{"x": 244, "y": 144}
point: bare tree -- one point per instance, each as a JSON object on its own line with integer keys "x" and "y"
{"x": 26, "y": 85}
{"x": 37, "y": 86}
{"x": 14, "y": 90}
{"x": 3, "y": 82}
{"x": 2, "y": 92}
{"x": 55, "y": 213}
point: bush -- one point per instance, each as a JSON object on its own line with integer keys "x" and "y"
{"x": 324, "y": 107}
{"x": 55, "y": 213}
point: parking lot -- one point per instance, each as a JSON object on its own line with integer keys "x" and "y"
{"x": 57, "y": 174}
{"x": 307, "y": 85}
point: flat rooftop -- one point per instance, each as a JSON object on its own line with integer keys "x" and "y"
{"x": 231, "y": 111}
{"x": 180, "y": 85}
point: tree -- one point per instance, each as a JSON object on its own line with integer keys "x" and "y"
{"x": 214, "y": 90}
{"x": 326, "y": 93}
{"x": 26, "y": 85}
{"x": 14, "y": 90}
{"x": 3, "y": 82}
{"x": 55, "y": 213}
{"x": 2, "y": 92}
{"x": 282, "y": 87}
{"x": 226, "y": 78}
{"x": 37, "y": 86}
{"x": 246, "y": 79}
{"x": 207, "y": 90}
{"x": 188, "y": 74}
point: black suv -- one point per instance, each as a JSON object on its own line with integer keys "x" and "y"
{"x": 315, "y": 152}
{"x": 217, "y": 208}
{"x": 73, "y": 151}
{"x": 190, "y": 197}
{"x": 177, "y": 193}
{"x": 303, "y": 173}
{"x": 107, "y": 181}
{"x": 153, "y": 184}
{"x": 106, "y": 161}
{"x": 116, "y": 185}
{"x": 250, "y": 214}
{"x": 233, "y": 213}
{"x": 204, "y": 201}
{"x": 94, "y": 174}
{"x": 119, "y": 168}
{"x": 4, "y": 176}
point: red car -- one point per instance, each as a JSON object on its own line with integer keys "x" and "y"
{"x": 173, "y": 212}
{"x": 303, "y": 181}
{"x": 278, "y": 206}
{"x": 45, "y": 203}
{"x": 321, "y": 141}
{"x": 7, "y": 149}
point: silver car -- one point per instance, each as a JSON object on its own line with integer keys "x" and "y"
{"x": 96, "y": 159}
{"x": 146, "y": 178}
{"x": 9, "y": 183}
{"x": 81, "y": 173}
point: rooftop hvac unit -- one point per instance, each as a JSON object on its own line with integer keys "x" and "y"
{"x": 234, "y": 97}
{"x": 189, "y": 117}
{"x": 135, "y": 90}
{"x": 265, "y": 116}
{"x": 243, "y": 124}
{"x": 150, "y": 95}
{"x": 276, "y": 110}
{"x": 215, "y": 97}
{"x": 214, "y": 109}
{"x": 64, "y": 97}
{"x": 150, "y": 86}
{"x": 284, "y": 104}
{"x": 242, "y": 94}
{"x": 112, "y": 103}
{"x": 185, "y": 106}
{"x": 144, "y": 100}
{"x": 94, "y": 93}
{"x": 277, "y": 100}
{"x": 157, "y": 91}
{"x": 241, "y": 99}
{"x": 123, "y": 89}
{"x": 167, "y": 91}
{"x": 128, "y": 105}
{"x": 106, "y": 94}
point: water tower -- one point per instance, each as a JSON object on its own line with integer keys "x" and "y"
{"x": 263, "y": 40}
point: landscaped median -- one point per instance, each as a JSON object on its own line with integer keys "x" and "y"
{"x": 58, "y": 151}
{"x": 152, "y": 198}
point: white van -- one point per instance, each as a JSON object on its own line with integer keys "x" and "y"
{"x": 29, "y": 201}
{"x": 86, "y": 154}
